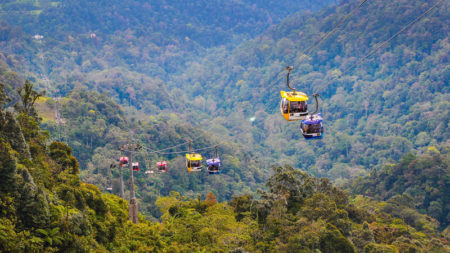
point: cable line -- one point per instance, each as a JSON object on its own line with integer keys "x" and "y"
{"x": 181, "y": 144}
{"x": 268, "y": 81}
{"x": 175, "y": 152}
{"x": 209, "y": 147}
{"x": 309, "y": 50}
{"x": 324, "y": 37}
{"x": 380, "y": 45}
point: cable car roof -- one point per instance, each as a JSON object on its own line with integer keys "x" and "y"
{"x": 289, "y": 95}
{"x": 194, "y": 157}
{"x": 214, "y": 161}
{"x": 316, "y": 119}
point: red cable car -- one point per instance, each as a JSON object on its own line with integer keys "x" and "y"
{"x": 135, "y": 166}
{"x": 162, "y": 166}
{"x": 123, "y": 160}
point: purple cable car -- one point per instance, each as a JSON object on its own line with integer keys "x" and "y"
{"x": 214, "y": 165}
{"x": 311, "y": 127}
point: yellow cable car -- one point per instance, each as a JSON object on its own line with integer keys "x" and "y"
{"x": 293, "y": 104}
{"x": 194, "y": 162}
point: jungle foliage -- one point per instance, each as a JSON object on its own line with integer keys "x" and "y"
{"x": 387, "y": 106}
{"x": 46, "y": 207}
{"x": 415, "y": 182}
{"x": 200, "y": 69}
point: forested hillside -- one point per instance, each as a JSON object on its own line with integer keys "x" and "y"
{"x": 153, "y": 38}
{"x": 160, "y": 73}
{"x": 388, "y": 105}
{"x": 422, "y": 181}
{"x": 96, "y": 126}
{"x": 392, "y": 104}
{"x": 46, "y": 208}
{"x": 373, "y": 113}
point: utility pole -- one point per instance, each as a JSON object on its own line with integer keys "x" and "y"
{"x": 133, "y": 206}
{"x": 109, "y": 188}
{"x": 122, "y": 193}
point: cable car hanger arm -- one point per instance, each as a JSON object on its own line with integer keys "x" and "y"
{"x": 289, "y": 69}
{"x": 315, "y": 95}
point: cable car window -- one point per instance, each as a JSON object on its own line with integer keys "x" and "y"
{"x": 298, "y": 106}
{"x": 313, "y": 128}
{"x": 195, "y": 164}
{"x": 213, "y": 167}
{"x": 285, "y": 105}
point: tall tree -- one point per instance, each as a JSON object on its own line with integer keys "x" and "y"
{"x": 28, "y": 97}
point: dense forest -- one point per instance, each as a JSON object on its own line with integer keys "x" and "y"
{"x": 166, "y": 72}
{"x": 385, "y": 107}
{"x": 422, "y": 181}
{"x": 96, "y": 126}
{"x": 46, "y": 207}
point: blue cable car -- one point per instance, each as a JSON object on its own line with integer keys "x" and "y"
{"x": 312, "y": 127}
{"x": 214, "y": 166}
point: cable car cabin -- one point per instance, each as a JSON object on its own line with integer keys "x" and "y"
{"x": 123, "y": 160}
{"x": 293, "y": 105}
{"x": 214, "y": 165}
{"x": 194, "y": 162}
{"x": 311, "y": 127}
{"x": 135, "y": 166}
{"x": 162, "y": 166}
{"x": 109, "y": 189}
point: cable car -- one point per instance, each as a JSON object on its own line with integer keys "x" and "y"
{"x": 293, "y": 104}
{"x": 162, "y": 166}
{"x": 214, "y": 166}
{"x": 135, "y": 166}
{"x": 123, "y": 160}
{"x": 194, "y": 162}
{"x": 311, "y": 127}
{"x": 109, "y": 189}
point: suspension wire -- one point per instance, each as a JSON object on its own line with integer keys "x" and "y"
{"x": 177, "y": 152}
{"x": 382, "y": 44}
{"x": 279, "y": 79}
{"x": 316, "y": 44}
{"x": 149, "y": 151}
{"x": 310, "y": 49}
{"x": 209, "y": 147}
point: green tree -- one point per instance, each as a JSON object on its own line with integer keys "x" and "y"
{"x": 333, "y": 241}
{"x": 61, "y": 153}
{"x": 8, "y": 168}
{"x": 28, "y": 97}
{"x": 3, "y": 97}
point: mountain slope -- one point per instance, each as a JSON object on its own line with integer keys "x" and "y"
{"x": 45, "y": 207}
{"x": 95, "y": 127}
{"x": 425, "y": 178}
{"x": 153, "y": 38}
{"x": 386, "y": 106}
